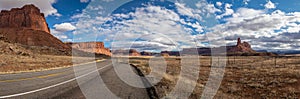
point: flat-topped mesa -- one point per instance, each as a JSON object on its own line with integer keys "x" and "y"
{"x": 92, "y": 47}
{"x": 27, "y": 17}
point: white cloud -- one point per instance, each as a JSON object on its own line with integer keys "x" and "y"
{"x": 270, "y": 5}
{"x": 205, "y": 8}
{"x": 219, "y": 4}
{"x": 228, "y": 11}
{"x": 244, "y": 13}
{"x": 108, "y": 0}
{"x": 84, "y": 1}
{"x": 183, "y": 10}
{"x": 261, "y": 28}
{"x": 156, "y": 27}
{"x": 246, "y": 2}
{"x": 45, "y": 5}
{"x": 60, "y": 35}
{"x": 162, "y": 27}
{"x": 64, "y": 27}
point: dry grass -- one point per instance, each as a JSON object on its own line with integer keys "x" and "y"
{"x": 245, "y": 77}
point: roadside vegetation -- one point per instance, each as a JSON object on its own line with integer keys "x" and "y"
{"x": 245, "y": 77}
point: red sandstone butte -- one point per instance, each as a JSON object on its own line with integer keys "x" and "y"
{"x": 28, "y": 17}
{"x": 92, "y": 47}
{"x": 28, "y": 26}
{"x": 241, "y": 47}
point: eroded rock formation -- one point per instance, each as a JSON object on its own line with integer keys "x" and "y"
{"x": 244, "y": 47}
{"x": 28, "y": 26}
{"x": 28, "y": 17}
{"x": 241, "y": 48}
{"x": 92, "y": 47}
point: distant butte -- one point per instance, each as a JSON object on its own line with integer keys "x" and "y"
{"x": 92, "y": 47}
{"x": 240, "y": 49}
{"x": 244, "y": 47}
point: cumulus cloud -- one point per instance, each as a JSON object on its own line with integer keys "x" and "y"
{"x": 183, "y": 10}
{"x": 261, "y": 29}
{"x": 158, "y": 28}
{"x": 246, "y": 2}
{"x": 60, "y": 35}
{"x": 219, "y": 4}
{"x": 108, "y": 0}
{"x": 228, "y": 11}
{"x": 270, "y": 5}
{"x": 206, "y": 8}
{"x": 45, "y": 5}
{"x": 64, "y": 27}
{"x": 244, "y": 13}
{"x": 155, "y": 27}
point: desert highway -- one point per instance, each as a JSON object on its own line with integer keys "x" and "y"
{"x": 61, "y": 83}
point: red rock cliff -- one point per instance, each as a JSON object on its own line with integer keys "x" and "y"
{"x": 93, "y": 47}
{"x": 27, "y": 26}
{"x": 29, "y": 17}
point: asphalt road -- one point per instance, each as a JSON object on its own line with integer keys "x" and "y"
{"x": 62, "y": 83}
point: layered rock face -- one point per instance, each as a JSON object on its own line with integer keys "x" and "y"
{"x": 27, "y": 26}
{"x": 92, "y": 47}
{"x": 32, "y": 38}
{"x": 134, "y": 52}
{"x": 28, "y": 17}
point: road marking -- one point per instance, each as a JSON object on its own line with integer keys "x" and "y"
{"x": 45, "y": 76}
{"x": 41, "y": 89}
{"x": 22, "y": 79}
{"x": 46, "y": 69}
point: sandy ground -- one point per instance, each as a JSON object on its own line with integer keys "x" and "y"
{"x": 244, "y": 77}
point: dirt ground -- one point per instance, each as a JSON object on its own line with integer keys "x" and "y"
{"x": 245, "y": 77}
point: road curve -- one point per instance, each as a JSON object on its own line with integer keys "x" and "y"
{"x": 61, "y": 83}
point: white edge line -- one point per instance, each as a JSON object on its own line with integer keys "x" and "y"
{"x": 33, "y": 91}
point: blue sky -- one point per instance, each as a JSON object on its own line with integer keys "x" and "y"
{"x": 155, "y": 25}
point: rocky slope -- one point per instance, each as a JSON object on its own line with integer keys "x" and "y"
{"x": 9, "y": 48}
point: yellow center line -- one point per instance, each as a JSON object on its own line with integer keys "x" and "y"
{"x": 44, "y": 76}
{"x": 31, "y": 78}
